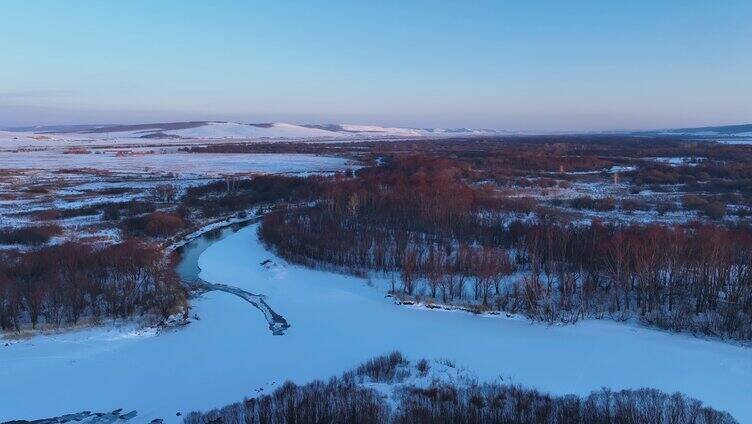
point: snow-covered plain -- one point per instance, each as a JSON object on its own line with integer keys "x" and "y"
{"x": 178, "y": 163}
{"x": 38, "y": 175}
{"x": 337, "y": 322}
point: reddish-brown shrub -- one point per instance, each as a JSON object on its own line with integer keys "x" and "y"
{"x": 163, "y": 224}
{"x": 692, "y": 201}
{"x": 715, "y": 210}
{"x": 605, "y": 204}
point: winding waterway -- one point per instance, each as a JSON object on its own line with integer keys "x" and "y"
{"x": 189, "y": 271}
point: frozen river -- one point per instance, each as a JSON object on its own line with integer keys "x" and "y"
{"x": 337, "y": 322}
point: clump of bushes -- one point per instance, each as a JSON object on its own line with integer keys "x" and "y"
{"x": 666, "y": 207}
{"x": 383, "y": 369}
{"x": 36, "y": 235}
{"x": 713, "y": 209}
{"x": 631, "y": 205}
{"x": 519, "y": 204}
{"x": 155, "y": 224}
{"x": 605, "y": 204}
{"x": 163, "y": 224}
{"x": 583, "y": 202}
{"x": 693, "y": 202}
{"x": 52, "y": 214}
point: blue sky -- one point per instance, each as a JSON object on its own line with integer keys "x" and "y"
{"x": 527, "y": 65}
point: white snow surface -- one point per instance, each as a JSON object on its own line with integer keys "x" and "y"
{"x": 235, "y": 130}
{"x": 337, "y": 322}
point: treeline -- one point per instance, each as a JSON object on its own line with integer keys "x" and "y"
{"x": 234, "y": 194}
{"x": 62, "y": 285}
{"x": 416, "y": 219}
{"x": 344, "y": 400}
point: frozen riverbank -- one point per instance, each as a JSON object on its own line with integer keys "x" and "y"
{"x": 337, "y": 322}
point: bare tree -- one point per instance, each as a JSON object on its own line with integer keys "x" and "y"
{"x": 410, "y": 265}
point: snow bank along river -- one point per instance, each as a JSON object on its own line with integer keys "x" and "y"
{"x": 336, "y": 322}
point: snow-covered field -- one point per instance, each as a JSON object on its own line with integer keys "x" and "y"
{"x": 338, "y": 321}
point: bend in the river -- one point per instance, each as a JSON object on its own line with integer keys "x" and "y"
{"x": 189, "y": 270}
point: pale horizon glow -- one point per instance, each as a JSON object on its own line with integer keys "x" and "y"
{"x": 527, "y": 66}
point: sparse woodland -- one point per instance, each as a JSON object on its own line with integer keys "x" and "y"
{"x": 66, "y": 284}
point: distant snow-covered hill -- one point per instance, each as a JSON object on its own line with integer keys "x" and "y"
{"x": 744, "y": 130}
{"x": 234, "y": 130}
